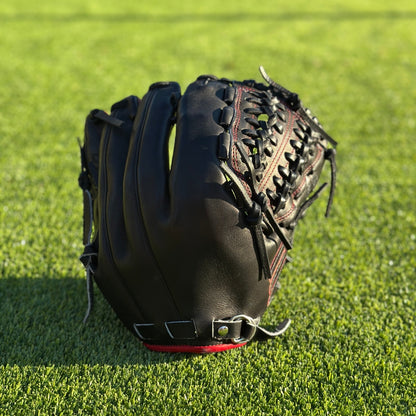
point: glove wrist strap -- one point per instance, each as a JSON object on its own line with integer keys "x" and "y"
{"x": 237, "y": 330}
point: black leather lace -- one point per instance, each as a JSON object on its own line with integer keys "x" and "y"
{"x": 260, "y": 141}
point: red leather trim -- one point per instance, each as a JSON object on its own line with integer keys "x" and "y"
{"x": 194, "y": 349}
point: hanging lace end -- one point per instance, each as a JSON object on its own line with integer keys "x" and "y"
{"x": 330, "y": 155}
{"x": 307, "y": 204}
{"x": 90, "y": 294}
{"x": 89, "y": 260}
{"x": 88, "y": 217}
{"x": 266, "y": 77}
{"x": 262, "y": 334}
{"x": 254, "y": 220}
{"x": 291, "y": 98}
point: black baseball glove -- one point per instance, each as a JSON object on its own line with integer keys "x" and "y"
{"x": 188, "y": 250}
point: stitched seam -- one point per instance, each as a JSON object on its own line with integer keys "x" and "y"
{"x": 235, "y": 128}
{"x": 280, "y": 256}
{"x": 273, "y": 264}
{"x": 273, "y": 165}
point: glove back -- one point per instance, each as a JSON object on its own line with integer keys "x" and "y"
{"x": 188, "y": 252}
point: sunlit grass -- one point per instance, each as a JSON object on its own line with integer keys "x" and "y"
{"x": 350, "y": 290}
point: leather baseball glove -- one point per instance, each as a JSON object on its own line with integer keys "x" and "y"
{"x": 188, "y": 250}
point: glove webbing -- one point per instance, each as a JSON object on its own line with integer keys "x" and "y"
{"x": 292, "y": 99}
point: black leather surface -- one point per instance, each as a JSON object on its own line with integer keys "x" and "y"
{"x": 173, "y": 243}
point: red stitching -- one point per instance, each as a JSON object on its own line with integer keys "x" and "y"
{"x": 281, "y": 254}
{"x": 237, "y": 116}
{"x": 275, "y": 162}
{"x": 236, "y": 125}
{"x": 277, "y": 252}
{"x": 272, "y": 166}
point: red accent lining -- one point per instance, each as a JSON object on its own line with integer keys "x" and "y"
{"x": 195, "y": 349}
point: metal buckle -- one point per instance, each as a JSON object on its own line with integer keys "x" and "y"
{"x": 253, "y": 325}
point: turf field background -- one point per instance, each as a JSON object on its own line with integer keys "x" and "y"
{"x": 350, "y": 291}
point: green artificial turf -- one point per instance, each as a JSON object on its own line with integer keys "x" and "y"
{"x": 350, "y": 291}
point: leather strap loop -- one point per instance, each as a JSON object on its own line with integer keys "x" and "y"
{"x": 181, "y": 329}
